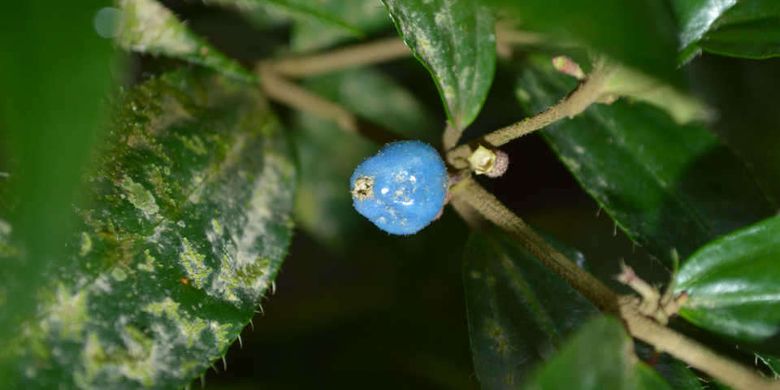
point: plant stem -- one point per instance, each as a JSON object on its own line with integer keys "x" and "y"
{"x": 494, "y": 211}
{"x": 284, "y": 91}
{"x": 352, "y": 56}
{"x": 588, "y": 92}
{"x": 639, "y": 326}
{"x": 691, "y": 352}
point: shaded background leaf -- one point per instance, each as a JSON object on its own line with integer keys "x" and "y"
{"x": 367, "y": 16}
{"x": 455, "y": 40}
{"x": 519, "y": 312}
{"x": 733, "y": 286}
{"x": 653, "y": 176}
{"x": 188, "y": 225}
{"x": 640, "y": 34}
{"x": 598, "y": 356}
{"x": 319, "y": 24}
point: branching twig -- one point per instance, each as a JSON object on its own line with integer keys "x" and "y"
{"x": 284, "y": 91}
{"x": 638, "y": 325}
{"x": 348, "y": 57}
{"x": 587, "y": 93}
{"x": 691, "y": 352}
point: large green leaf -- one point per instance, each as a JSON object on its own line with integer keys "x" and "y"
{"x": 188, "y": 225}
{"x": 519, "y": 312}
{"x": 146, "y": 26}
{"x": 598, "y": 357}
{"x": 749, "y": 29}
{"x": 670, "y": 187}
{"x": 455, "y": 40}
{"x": 323, "y": 207}
{"x": 55, "y": 76}
{"x": 638, "y": 33}
{"x": 695, "y": 18}
{"x": 733, "y": 285}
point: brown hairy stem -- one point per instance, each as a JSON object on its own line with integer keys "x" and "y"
{"x": 627, "y": 308}
{"x": 588, "y": 92}
{"x": 494, "y": 211}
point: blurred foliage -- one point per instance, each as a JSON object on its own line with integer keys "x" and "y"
{"x": 595, "y": 358}
{"x": 519, "y": 311}
{"x": 54, "y": 75}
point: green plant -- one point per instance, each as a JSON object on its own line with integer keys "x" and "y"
{"x": 140, "y": 226}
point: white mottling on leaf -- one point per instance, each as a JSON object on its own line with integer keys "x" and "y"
{"x": 245, "y": 269}
{"x": 140, "y": 197}
{"x": 148, "y": 264}
{"x": 194, "y": 264}
{"x": 67, "y": 314}
{"x": 86, "y": 244}
{"x": 118, "y": 274}
{"x": 147, "y": 26}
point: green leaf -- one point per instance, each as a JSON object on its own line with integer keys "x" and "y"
{"x": 733, "y": 285}
{"x": 670, "y": 187}
{"x": 328, "y": 23}
{"x": 518, "y": 311}
{"x": 772, "y": 363}
{"x": 366, "y": 16}
{"x": 675, "y": 372}
{"x": 647, "y": 378}
{"x": 638, "y": 33}
{"x": 55, "y": 74}
{"x": 148, "y": 27}
{"x": 323, "y": 206}
{"x": 695, "y": 18}
{"x": 749, "y": 29}
{"x": 597, "y": 357}
{"x": 188, "y": 225}
{"x": 456, "y": 42}
{"x": 339, "y": 14}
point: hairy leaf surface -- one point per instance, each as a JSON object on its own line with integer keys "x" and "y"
{"x": 188, "y": 224}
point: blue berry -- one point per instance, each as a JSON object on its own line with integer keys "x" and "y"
{"x": 402, "y": 188}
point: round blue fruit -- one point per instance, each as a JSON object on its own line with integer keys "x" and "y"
{"x": 402, "y": 188}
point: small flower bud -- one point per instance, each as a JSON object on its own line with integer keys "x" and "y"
{"x": 489, "y": 162}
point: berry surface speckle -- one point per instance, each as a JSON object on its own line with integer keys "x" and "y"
{"x": 402, "y": 188}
